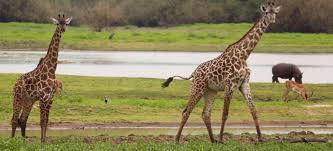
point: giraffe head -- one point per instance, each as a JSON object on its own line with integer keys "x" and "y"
{"x": 61, "y": 22}
{"x": 269, "y": 11}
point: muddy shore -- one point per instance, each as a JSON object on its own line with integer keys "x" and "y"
{"x": 69, "y": 125}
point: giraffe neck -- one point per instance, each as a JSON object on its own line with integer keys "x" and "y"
{"x": 51, "y": 58}
{"x": 252, "y": 37}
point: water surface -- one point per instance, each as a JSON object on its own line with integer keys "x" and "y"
{"x": 317, "y": 68}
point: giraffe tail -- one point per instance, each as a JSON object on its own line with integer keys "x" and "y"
{"x": 167, "y": 82}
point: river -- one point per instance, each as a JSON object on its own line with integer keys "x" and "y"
{"x": 317, "y": 68}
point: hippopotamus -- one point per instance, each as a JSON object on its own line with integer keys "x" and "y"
{"x": 286, "y": 71}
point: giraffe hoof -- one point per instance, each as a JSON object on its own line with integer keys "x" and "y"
{"x": 218, "y": 142}
{"x": 260, "y": 140}
{"x": 25, "y": 138}
{"x": 177, "y": 141}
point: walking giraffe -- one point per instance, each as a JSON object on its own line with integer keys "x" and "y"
{"x": 226, "y": 73}
{"x": 38, "y": 84}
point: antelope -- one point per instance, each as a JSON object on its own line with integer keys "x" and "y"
{"x": 296, "y": 87}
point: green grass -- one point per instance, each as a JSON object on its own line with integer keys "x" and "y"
{"x": 143, "y": 100}
{"x": 196, "y": 37}
{"x": 77, "y": 145}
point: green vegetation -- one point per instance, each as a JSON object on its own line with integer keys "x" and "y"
{"x": 197, "y": 37}
{"x": 143, "y": 100}
{"x": 87, "y": 143}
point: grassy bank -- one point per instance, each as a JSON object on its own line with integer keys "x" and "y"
{"x": 197, "y": 37}
{"x": 137, "y": 143}
{"x": 143, "y": 100}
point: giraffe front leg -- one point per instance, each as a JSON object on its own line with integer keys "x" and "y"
{"x": 27, "y": 106}
{"x": 15, "y": 122}
{"x": 44, "y": 117}
{"x": 196, "y": 95}
{"x": 206, "y": 114}
{"x": 245, "y": 90}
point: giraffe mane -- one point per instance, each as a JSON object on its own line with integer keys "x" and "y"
{"x": 257, "y": 22}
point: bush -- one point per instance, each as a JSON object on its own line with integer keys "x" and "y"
{"x": 305, "y": 16}
{"x": 295, "y": 15}
{"x": 111, "y": 35}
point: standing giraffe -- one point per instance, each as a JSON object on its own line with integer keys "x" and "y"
{"x": 38, "y": 84}
{"x": 226, "y": 73}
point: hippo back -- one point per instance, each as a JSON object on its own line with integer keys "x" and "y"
{"x": 283, "y": 70}
{"x": 286, "y": 70}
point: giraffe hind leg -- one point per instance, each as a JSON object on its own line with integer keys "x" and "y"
{"x": 206, "y": 114}
{"x": 196, "y": 95}
{"x": 27, "y": 106}
{"x": 227, "y": 98}
{"x": 17, "y": 107}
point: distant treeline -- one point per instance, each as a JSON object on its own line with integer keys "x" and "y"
{"x": 295, "y": 15}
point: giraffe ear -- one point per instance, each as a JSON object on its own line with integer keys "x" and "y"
{"x": 68, "y": 20}
{"x": 263, "y": 8}
{"x": 55, "y": 21}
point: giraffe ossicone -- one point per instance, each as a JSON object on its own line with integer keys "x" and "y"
{"x": 227, "y": 72}
{"x": 39, "y": 84}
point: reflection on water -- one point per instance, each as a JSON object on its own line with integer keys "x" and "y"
{"x": 317, "y": 68}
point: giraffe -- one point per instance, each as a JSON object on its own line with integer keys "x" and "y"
{"x": 58, "y": 83}
{"x": 225, "y": 73}
{"x": 39, "y": 84}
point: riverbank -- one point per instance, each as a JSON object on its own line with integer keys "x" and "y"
{"x": 142, "y": 100}
{"x": 197, "y": 37}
